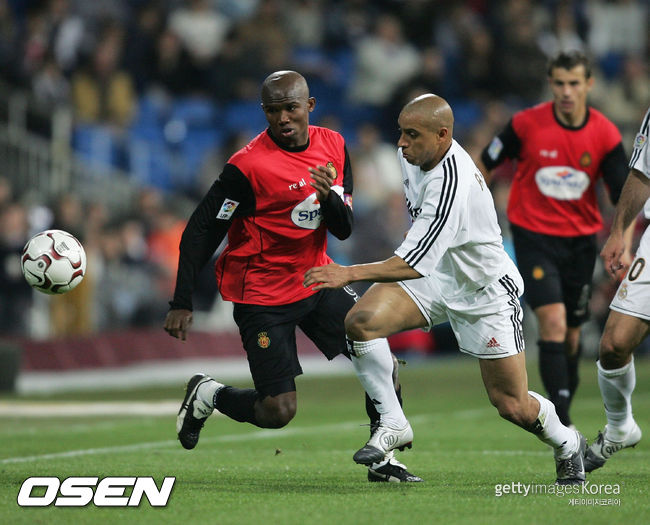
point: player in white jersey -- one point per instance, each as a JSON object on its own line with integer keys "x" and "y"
{"x": 628, "y": 322}
{"x": 451, "y": 266}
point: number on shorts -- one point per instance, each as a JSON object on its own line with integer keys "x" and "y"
{"x": 636, "y": 269}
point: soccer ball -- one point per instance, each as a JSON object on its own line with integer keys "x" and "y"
{"x": 53, "y": 262}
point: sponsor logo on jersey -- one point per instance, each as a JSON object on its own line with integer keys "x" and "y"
{"x": 299, "y": 184}
{"x": 639, "y": 140}
{"x": 307, "y": 214}
{"x": 413, "y": 212}
{"x": 493, "y": 343}
{"x": 495, "y": 148}
{"x": 227, "y": 209}
{"x": 263, "y": 340}
{"x": 585, "y": 159}
{"x": 562, "y": 182}
{"x": 549, "y": 154}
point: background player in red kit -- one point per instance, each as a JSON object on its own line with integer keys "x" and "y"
{"x": 276, "y": 199}
{"x": 562, "y": 148}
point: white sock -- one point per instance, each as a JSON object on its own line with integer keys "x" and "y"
{"x": 205, "y": 392}
{"x": 373, "y": 364}
{"x": 616, "y": 387}
{"x": 553, "y": 432}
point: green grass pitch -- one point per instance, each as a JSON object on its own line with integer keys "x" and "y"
{"x": 304, "y": 474}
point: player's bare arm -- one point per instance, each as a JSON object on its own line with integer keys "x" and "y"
{"x": 336, "y": 276}
{"x": 634, "y": 194}
{"x": 177, "y": 323}
{"x": 322, "y": 180}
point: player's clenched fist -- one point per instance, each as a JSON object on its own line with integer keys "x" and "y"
{"x": 178, "y": 323}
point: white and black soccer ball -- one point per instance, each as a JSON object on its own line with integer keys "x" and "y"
{"x": 53, "y": 262}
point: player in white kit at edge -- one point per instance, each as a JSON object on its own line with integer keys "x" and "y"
{"x": 628, "y": 323}
{"x": 451, "y": 266}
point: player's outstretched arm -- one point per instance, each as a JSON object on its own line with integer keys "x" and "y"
{"x": 336, "y": 276}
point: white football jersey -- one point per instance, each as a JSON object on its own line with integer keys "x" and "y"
{"x": 455, "y": 237}
{"x": 640, "y": 159}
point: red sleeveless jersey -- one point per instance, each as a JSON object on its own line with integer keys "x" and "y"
{"x": 269, "y": 251}
{"x": 553, "y": 191}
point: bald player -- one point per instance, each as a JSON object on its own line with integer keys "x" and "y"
{"x": 277, "y": 199}
{"x": 451, "y": 267}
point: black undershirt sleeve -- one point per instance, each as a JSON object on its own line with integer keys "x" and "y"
{"x": 205, "y": 231}
{"x": 337, "y": 215}
{"x": 614, "y": 170}
{"x": 505, "y": 145}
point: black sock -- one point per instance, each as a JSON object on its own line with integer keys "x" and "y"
{"x": 373, "y": 415}
{"x": 553, "y": 369}
{"x": 573, "y": 363}
{"x": 237, "y": 403}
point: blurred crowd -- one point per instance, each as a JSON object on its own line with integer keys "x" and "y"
{"x": 174, "y": 85}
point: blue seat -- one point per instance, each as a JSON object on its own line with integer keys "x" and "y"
{"x": 244, "y": 116}
{"x": 149, "y": 163}
{"x": 195, "y": 111}
{"x": 467, "y": 113}
{"x": 191, "y": 154}
{"x": 97, "y": 145}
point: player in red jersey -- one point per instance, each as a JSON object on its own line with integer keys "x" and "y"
{"x": 561, "y": 149}
{"x": 276, "y": 199}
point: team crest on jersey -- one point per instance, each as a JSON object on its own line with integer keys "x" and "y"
{"x": 263, "y": 340}
{"x": 585, "y": 159}
{"x": 622, "y": 292}
{"x": 330, "y": 166}
{"x": 640, "y": 140}
{"x": 538, "y": 273}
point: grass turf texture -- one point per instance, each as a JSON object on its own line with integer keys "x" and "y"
{"x": 239, "y": 474}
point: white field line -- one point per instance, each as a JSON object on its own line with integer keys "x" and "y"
{"x": 32, "y": 409}
{"x": 262, "y": 434}
{"x": 251, "y": 436}
{"x": 277, "y": 433}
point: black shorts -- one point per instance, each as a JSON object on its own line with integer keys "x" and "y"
{"x": 268, "y": 334}
{"x": 556, "y": 270}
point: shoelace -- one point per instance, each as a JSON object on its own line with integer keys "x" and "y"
{"x": 569, "y": 467}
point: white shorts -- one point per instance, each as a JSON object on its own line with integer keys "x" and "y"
{"x": 487, "y": 324}
{"x": 633, "y": 294}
